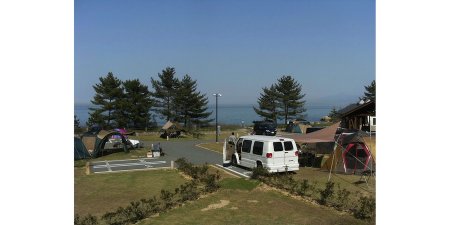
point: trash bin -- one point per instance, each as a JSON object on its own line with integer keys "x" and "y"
{"x": 156, "y": 150}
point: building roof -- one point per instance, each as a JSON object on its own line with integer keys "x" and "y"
{"x": 348, "y": 108}
{"x": 356, "y": 107}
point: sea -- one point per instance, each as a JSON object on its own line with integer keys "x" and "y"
{"x": 231, "y": 114}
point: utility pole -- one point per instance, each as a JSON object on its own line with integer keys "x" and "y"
{"x": 217, "y": 125}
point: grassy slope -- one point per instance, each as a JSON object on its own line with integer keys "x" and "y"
{"x": 99, "y": 193}
{"x": 347, "y": 181}
{"x": 256, "y": 206}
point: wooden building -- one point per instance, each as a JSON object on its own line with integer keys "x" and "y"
{"x": 359, "y": 116}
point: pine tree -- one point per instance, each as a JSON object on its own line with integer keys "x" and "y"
{"x": 290, "y": 98}
{"x": 137, "y": 103}
{"x": 164, "y": 92}
{"x": 267, "y": 103}
{"x": 96, "y": 118}
{"x": 334, "y": 114}
{"x": 190, "y": 104}
{"x": 120, "y": 113}
{"x": 76, "y": 125}
{"x": 370, "y": 92}
{"x": 76, "y": 122}
{"x": 108, "y": 94}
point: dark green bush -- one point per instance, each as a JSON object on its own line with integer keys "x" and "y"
{"x": 288, "y": 182}
{"x": 150, "y": 206}
{"x": 196, "y": 172}
{"x": 135, "y": 212}
{"x": 188, "y": 191}
{"x": 304, "y": 187}
{"x": 183, "y": 164}
{"x": 167, "y": 200}
{"x": 259, "y": 173}
{"x": 366, "y": 208}
{"x": 327, "y": 193}
{"x": 211, "y": 182}
{"x": 199, "y": 172}
{"x": 88, "y": 220}
{"x": 119, "y": 217}
{"x": 342, "y": 198}
{"x": 132, "y": 213}
{"x": 281, "y": 181}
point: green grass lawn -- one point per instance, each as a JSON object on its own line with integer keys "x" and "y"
{"x": 213, "y": 146}
{"x": 239, "y": 202}
{"x": 207, "y": 134}
{"x": 99, "y": 193}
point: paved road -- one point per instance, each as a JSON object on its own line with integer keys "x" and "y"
{"x": 128, "y": 164}
{"x": 187, "y": 149}
{"x": 172, "y": 150}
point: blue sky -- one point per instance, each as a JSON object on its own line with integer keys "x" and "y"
{"x": 232, "y": 47}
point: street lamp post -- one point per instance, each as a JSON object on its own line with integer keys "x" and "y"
{"x": 217, "y": 126}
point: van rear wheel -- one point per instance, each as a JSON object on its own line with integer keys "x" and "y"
{"x": 259, "y": 164}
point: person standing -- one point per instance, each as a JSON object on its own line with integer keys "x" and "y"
{"x": 232, "y": 139}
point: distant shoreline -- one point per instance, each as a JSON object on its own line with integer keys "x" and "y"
{"x": 228, "y": 114}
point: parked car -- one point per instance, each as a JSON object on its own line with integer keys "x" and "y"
{"x": 268, "y": 128}
{"x": 277, "y": 154}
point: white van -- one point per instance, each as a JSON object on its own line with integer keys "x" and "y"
{"x": 277, "y": 154}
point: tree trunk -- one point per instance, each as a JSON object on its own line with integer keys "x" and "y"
{"x": 285, "y": 113}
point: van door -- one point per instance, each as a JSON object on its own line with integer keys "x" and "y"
{"x": 289, "y": 154}
{"x": 278, "y": 153}
{"x": 245, "y": 153}
{"x": 239, "y": 147}
{"x": 257, "y": 152}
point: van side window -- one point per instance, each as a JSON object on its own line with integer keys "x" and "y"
{"x": 258, "y": 148}
{"x": 288, "y": 146}
{"x": 277, "y": 146}
{"x": 246, "y": 146}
